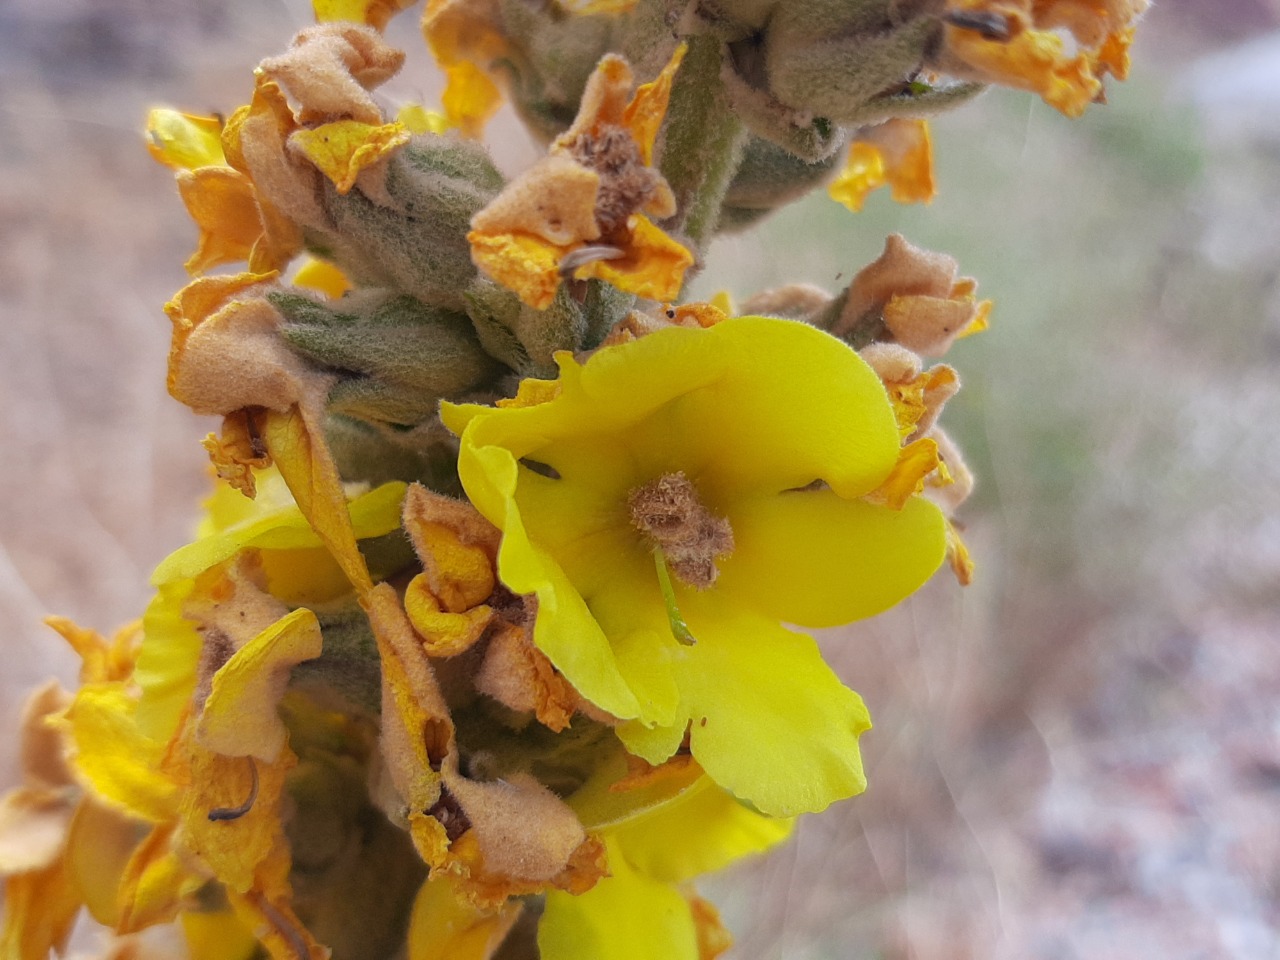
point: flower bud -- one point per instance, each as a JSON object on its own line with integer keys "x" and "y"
{"x": 395, "y": 356}
{"x": 415, "y": 239}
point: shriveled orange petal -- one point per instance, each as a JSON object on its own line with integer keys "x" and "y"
{"x": 910, "y": 166}
{"x": 652, "y": 266}
{"x": 444, "y": 633}
{"x": 958, "y": 557}
{"x": 238, "y": 451}
{"x": 39, "y": 909}
{"x": 644, "y": 114}
{"x": 222, "y": 203}
{"x": 1034, "y": 60}
{"x": 917, "y": 460}
{"x": 521, "y": 262}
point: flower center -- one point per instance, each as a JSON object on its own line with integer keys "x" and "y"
{"x": 672, "y": 518}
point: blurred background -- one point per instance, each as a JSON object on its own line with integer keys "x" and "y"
{"x": 1076, "y": 757}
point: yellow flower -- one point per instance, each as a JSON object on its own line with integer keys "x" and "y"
{"x": 675, "y": 500}
{"x": 897, "y": 153}
{"x": 295, "y": 563}
{"x": 580, "y": 211}
{"x": 1017, "y": 43}
{"x": 220, "y": 199}
{"x": 466, "y": 38}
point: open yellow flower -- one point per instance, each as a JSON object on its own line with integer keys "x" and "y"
{"x": 674, "y": 501}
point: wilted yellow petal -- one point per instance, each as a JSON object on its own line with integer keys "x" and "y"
{"x": 917, "y": 460}
{"x": 863, "y": 172}
{"x": 445, "y": 634}
{"x": 296, "y": 442}
{"x": 39, "y": 908}
{"x": 421, "y": 120}
{"x": 151, "y": 887}
{"x": 217, "y": 935}
{"x": 239, "y": 717}
{"x": 231, "y": 817}
{"x": 120, "y": 765}
{"x": 644, "y": 114}
{"x": 521, "y": 262}
{"x": 222, "y": 203}
{"x": 652, "y": 266}
{"x": 470, "y": 98}
{"x": 184, "y": 141}
{"x": 342, "y": 149}
{"x": 1034, "y": 60}
{"x": 100, "y": 844}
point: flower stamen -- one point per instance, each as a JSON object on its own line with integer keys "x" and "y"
{"x": 674, "y": 520}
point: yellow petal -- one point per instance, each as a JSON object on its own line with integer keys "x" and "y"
{"x": 296, "y": 442}
{"x": 323, "y": 276}
{"x": 521, "y": 262}
{"x": 239, "y": 717}
{"x": 626, "y": 916}
{"x": 652, "y": 265}
{"x": 217, "y": 935}
{"x": 863, "y": 172}
{"x": 767, "y": 718}
{"x": 648, "y": 106}
{"x": 39, "y": 909}
{"x": 445, "y": 634}
{"x": 814, "y": 559}
{"x": 231, "y": 816}
{"x": 421, "y": 120}
{"x": 222, "y": 203}
{"x": 151, "y": 887}
{"x": 1034, "y": 60}
{"x": 100, "y": 844}
{"x": 374, "y": 13}
{"x": 113, "y": 758}
{"x": 342, "y": 149}
{"x": 917, "y": 460}
{"x": 470, "y": 98}
{"x": 447, "y": 925}
{"x": 184, "y": 141}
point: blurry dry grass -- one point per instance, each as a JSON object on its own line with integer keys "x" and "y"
{"x": 1077, "y": 757}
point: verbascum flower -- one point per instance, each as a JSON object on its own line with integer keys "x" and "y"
{"x": 1016, "y": 44}
{"x": 897, "y": 154}
{"x": 907, "y": 296}
{"x": 672, "y": 502}
{"x": 236, "y": 223}
{"x": 580, "y": 212}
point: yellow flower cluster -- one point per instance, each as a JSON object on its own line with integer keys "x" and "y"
{"x": 491, "y": 638}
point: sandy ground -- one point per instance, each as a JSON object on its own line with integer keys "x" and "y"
{"x": 1077, "y": 757}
